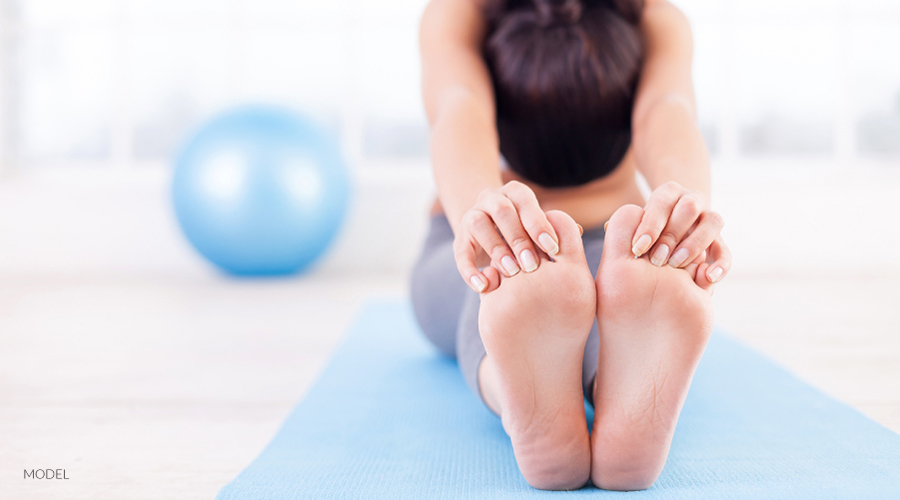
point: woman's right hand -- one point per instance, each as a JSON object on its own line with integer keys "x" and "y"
{"x": 507, "y": 226}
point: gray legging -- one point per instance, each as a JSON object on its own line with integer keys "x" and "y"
{"x": 447, "y": 309}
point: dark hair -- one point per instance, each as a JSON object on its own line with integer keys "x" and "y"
{"x": 564, "y": 75}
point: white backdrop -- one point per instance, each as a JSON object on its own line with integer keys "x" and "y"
{"x": 121, "y": 81}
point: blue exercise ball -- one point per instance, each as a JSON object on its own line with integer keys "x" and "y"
{"x": 260, "y": 191}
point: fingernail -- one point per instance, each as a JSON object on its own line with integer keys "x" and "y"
{"x": 660, "y": 255}
{"x": 478, "y": 283}
{"x": 548, "y": 244}
{"x": 604, "y": 225}
{"x": 714, "y": 274}
{"x": 641, "y": 245}
{"x": 580, "y": 229}
{"x": 679, "y": 257}
{"x": 509, "y": 264}
{"x": 529, "y": 262}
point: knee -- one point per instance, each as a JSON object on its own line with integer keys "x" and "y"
{"x": 436, "y": 305}
{"x": 438, "y": 326}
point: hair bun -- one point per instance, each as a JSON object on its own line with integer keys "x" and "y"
{"x": 557, "y": 12}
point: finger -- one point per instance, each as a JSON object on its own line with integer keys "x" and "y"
{"x": 656, "y": 214}
{"x": 681, "y": 220}
{"x": 720, "y": 255}
{"x": 505, "y": 216}
{"x": 533, "y": 219}
{"x": 709, "y": 225}
{"x": 691, "y": 268}
{"x": 485, "y": 234}
{"x": 464, "y": 253}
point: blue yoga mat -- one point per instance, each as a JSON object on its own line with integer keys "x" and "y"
{"x": 390, "y": 418}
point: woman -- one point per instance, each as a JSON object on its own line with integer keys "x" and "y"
{"x": 542, "y": 112}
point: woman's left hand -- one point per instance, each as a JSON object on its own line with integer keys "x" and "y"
{"x": 677, "y": 229}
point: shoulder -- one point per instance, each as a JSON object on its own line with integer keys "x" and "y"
{"x": 663, "y": 11}
{"x": 665, "y": 27}
{"x": 668, "y": 55}
{"x": 454, "y": 20}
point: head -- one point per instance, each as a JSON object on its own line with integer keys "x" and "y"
{"x": 564, "y": 75}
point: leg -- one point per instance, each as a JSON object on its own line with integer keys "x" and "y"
{"x": 593, "y": 249}
{"x": 436, "y": 289}
{"x": 654, "y": 323}
{"x": 534, "y": 328}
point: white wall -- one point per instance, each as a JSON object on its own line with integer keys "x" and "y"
{"x": 9, "y": 28}
{"x": 120, "y": 82}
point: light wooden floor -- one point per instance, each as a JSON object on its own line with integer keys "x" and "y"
{"x": 128, "y": 363}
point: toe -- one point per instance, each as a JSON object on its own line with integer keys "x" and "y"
{"x": 493, "y": 277}
{"x": 701, "y": 278}
{"x": 570, "y": 245}
{"x": 697, "y": 270}
{"x": 694, "y": 265}
{"x": 620, "y": 230}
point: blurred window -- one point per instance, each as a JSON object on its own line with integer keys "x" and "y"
{"x": 124, "y": 81}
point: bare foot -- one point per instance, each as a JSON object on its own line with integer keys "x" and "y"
{"x": 534, "y": 327}
{"x": 654, "y": 324}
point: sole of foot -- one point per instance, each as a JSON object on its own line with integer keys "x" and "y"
{"x": 654, "y": 323}
{"x": 534, "y": 327}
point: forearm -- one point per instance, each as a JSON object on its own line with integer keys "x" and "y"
{"x": 668, "y": 147}
{"x": 464, "y": 155}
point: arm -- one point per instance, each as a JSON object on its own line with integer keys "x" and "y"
{"x": 667, "y": 143}
{"x": 459, "y": 103}
{"x": 465, "y": 153}
{"x": 677, "y": 228}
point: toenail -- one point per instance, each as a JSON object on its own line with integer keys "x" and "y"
{"x": 641, "y": 245}
{"x": 679, "y": 257}
{"x": 509, "y": 264}
{"x": 715, "y": 274}
{"x": 660, "y": 255}
{"x": 529, "y": 262}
